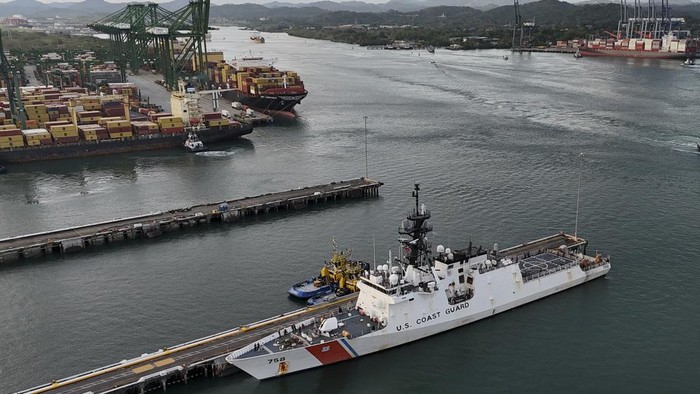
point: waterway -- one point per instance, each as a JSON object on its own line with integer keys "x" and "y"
{"x": 495, "y": 145}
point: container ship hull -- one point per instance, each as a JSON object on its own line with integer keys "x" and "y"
{"x": 267, "y": 103}
{"x": 635, "y": 54}
{"x": 116, "y": 146}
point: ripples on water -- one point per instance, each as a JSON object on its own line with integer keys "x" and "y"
{"x": 495, "y": 147}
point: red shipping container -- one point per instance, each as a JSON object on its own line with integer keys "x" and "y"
{"x": 10, "y": 133}
{"x": 65, "y": 140}
{"x": 212, "y": 115}
{"x": 172, "y": 130}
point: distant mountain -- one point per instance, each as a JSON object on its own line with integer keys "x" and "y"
{"x": 397, "y": 5}
{"x": 35, "y": 9}
{"x": 287, "y": 12}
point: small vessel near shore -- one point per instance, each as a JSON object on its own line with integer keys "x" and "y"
{"x": 308, "y": 288}
{"x": 338, "y": 275}
{"x": 193, "y": 144}
{"x": 256, "y": 37}
{"x": 421, "y": 294}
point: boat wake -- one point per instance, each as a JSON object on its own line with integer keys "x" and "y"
{"x": 216, "y": 153}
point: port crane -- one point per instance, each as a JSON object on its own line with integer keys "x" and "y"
{"x": 12, "y": 83}
{"x": 140, "y": 29}
{"x": 522, "y": 37}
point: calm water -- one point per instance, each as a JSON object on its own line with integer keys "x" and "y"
{"x": 495, "y": 147}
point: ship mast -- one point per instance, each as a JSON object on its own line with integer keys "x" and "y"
{"x": 416, "y": 226}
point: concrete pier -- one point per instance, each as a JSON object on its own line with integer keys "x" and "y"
{"x": 81, "y": 238}
{"x": 204, "y": 357}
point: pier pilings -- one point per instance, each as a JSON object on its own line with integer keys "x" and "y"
{"x": 81, "y": 238}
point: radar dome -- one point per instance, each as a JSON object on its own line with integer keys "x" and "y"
{"x": 448, "y": 250}
{"x": 440, "y": 249}
{"x": 393, "y": 279}
{"x": 450, "y": 256}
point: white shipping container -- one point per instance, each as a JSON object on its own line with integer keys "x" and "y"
{"x": 631, "y": 45}
{"x": 681, "y": 46}
{"x": 159, "y": 31}
{"x": 41, "y": 132}
{"x": 674, "y": 46}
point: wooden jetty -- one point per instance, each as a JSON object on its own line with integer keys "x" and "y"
{"x": 204, "y": 357}
{"x": 80, "y": 238}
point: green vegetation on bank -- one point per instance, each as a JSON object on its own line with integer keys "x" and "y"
{"x": 29, "y": 45}
{"x": 555, "y": 20}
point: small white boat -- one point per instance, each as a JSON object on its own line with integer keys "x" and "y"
{"x": 194, "y": 144}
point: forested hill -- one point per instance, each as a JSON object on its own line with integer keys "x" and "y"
{"x": 546, "y": 13}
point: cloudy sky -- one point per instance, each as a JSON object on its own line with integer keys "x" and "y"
{"x": 213, "y": 1}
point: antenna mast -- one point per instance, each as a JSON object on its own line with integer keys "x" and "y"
{"x": 578, "y": 194}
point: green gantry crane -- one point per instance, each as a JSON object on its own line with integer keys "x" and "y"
{"x": 139, "y": 27}
{"x": 12, "y": 82}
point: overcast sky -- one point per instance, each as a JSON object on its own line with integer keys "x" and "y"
{"x": 227, "y": 1}
{"x": 213, "y": 1}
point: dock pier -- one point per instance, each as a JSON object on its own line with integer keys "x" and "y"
{"x": 180, "y": 363}
{"x": 81, "y": 238}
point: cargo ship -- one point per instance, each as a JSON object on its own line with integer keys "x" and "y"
{"x": 257, "y": 38}
{"x": 257, "y": 84}
{"x": 421, "y": 294}
{"x": 649, "y": 33}
{"x": 87, "y": 125}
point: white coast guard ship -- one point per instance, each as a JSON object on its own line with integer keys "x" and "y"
{"x": 419, "y": 295}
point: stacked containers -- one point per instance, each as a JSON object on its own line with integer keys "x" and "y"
{"x": 113, "y": 108}
{"x": 89, "y": 117}
{"x": 119, "y": 129}
{"x": 37, "y": 137}
{"x": 37, "y": 113}
{"x": 91, "y": 103}
{"x": 170, "y": 125}
{"x": 76, "y": 90}
{"x": 214, "y": 120}
{"x": 63, "y": 132}
{"x": 10, "y": 137}
{"x": 125, "y": 88}
{"x": 92, "y": 132}
{"x": 144, "y": 128}
{"x": 103, "y": 121}
{"x": 57, "y": 112}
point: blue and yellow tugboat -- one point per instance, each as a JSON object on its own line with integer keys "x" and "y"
{"x": 338, "y": 275}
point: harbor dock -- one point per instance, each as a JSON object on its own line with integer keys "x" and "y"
{"x": 202, "y": 357}
{"x": 81, "y": 238}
